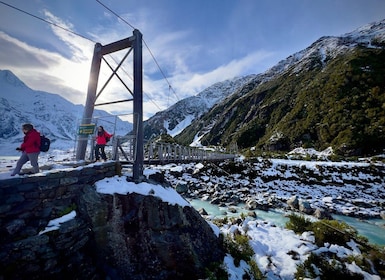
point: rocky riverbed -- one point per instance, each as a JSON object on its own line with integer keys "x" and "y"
{"x": 317, "y": 188}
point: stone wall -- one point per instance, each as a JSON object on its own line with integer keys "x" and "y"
{"x": 112, "y": 236}
{"x": 27, "y": 204}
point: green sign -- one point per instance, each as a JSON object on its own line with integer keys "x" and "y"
{"x": 86, "y": 129}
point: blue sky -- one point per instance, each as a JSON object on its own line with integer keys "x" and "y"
{"x": 196, "y": 43}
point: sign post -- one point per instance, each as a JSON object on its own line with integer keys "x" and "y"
{"x": 86, "y": 129}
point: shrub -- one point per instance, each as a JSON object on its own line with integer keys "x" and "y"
{"x": 255, "y": 271}
{"x": 215, "y": 271}
{"x": 325, "y": 231}
{"x": 239, "y": 248}
{"x": 333, "y": 232}
{"x": 320, "y": 267}
{"x": 298, "y": 223}
{"x": 376, "y": 257}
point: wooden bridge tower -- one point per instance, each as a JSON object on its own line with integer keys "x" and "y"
{"x": 132, "y": 43}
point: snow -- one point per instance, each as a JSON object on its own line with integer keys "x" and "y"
{"x": 235, "y": 273}
{"x": 271, "y": 244}
{"x": 55, "y": 224}
{"x": 197, "y": 140}
{"x": 51, "y": 115}
{"x": 122, "y": 186}
{"x": 181, "y": 125}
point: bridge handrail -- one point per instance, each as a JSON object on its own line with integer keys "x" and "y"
{"x": 163, "y": 152}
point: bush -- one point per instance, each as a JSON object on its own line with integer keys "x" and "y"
{"x": 325, "y": 231}
{"x": 333, "y": 232}
{"x": 215, "y": 271}
{"x": 298, "y": 223}
{"x": 376, "y": 257}
{"x": 239, "y": 248}
{"x": 334, "y": 269}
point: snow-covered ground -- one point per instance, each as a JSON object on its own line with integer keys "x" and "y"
{"x": 270, "y": 243}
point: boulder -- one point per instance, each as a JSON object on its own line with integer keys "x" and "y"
{"x": 304, "y": 207}
{"x": 320, "y": 213}
{"x": 293, "y": 202}
{"x": 382, "y": 215}
{"x": 181, "y": 187}
{"x": 142, "y": 237}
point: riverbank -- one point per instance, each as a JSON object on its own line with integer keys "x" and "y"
{"x": 355, "y": 189}
{"x": 269, "y": 185}
{"x": 347, "y": 188}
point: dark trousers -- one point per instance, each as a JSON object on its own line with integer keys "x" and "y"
{"x": 99, "y": 152}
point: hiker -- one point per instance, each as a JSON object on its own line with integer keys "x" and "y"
{"x": 30, "y": 149}
{"x": 102, "y": 137}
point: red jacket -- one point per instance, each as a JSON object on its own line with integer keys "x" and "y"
{"x": 31, "y": 143}
{"x": 101, "y": 139}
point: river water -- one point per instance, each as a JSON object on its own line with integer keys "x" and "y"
{"x": 373, "y": 229}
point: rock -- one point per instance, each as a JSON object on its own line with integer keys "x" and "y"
{"x": 203, "y": 212}
{"x": 181, "y": 187}
{"x": 15, "y": 226}
{"x": 252, "y": 214}
{"x": 320, "y": 213}
{"x": 232, "y": 210}
{"x": 142, "y": 237}
{"x": 157, "y": 178}
{"x": 304, "y": 207}
{"x": 251, "y": 204}
{"x": 216, "y": 201}
{"x": 293, "y": 202}
{"x": 382, "y": 215}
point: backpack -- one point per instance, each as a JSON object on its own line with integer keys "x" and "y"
{"x": 107, "y": 139}
{"x": 44, "y": 143}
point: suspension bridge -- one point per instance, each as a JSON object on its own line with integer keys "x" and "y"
{"x": 132, "y": 148}
{"x": 163, "y": 153}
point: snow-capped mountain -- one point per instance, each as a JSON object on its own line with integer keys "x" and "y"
{"x": 329, "y": 94}
{"x": 329, "y": 47}
{"x": 51, "y": 114}
{"x": 177, "y": 117}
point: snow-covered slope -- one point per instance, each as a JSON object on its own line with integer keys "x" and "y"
{"x": 174, "y": 119}
{"x": 51, "y": 114}
{"x": 249, "y": 116}
{"x": 328, "y": 47}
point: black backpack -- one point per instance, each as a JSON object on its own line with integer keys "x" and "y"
{"x": 44, "y": 143}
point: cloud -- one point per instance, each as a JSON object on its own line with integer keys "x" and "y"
{"x": 64, "y": 73}
{"x": 16, "y": 53}
{"x": 193, "y": 83}
{"x": 171, "y": 56}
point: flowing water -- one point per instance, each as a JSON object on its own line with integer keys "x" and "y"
{"x": 373, "y": 229}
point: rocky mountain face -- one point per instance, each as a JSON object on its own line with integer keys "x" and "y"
{"x": 176, "y": 118}
{"x": 330, "y": 94}
{"x": 51, "y": 114}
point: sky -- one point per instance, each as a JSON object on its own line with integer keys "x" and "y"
{"x": 188, "y": 45}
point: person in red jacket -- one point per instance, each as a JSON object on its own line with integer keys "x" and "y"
{"x": 30, "y": 149}
{"x": 101, "y": 141}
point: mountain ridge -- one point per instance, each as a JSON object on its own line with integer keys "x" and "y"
{"x": 255, "y": 111}
{"x": 263, "y": 116}
{"x": 51, "y": 114}
{"x": 178, "y": 116}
